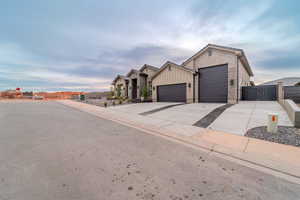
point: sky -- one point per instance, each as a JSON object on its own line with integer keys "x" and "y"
{"x": 82, "y": 45}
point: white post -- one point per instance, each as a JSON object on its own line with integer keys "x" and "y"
{"x": 272, "y": 122}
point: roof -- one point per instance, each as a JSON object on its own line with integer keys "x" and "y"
{"x": 238, "y": 52}
{"x": 118, "y": 77}
{"x": 150, "y": 67}
{"x": 173, "y": 65}
{"x": 132, "y": 71}
{"x": 288, "y": 81}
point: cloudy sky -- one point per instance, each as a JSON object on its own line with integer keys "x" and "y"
{"x": 83, "y": 44}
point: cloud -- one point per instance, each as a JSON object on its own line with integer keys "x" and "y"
{"x": 85, "y": 44}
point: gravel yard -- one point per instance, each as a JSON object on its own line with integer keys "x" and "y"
{"x": 285, "y": 135}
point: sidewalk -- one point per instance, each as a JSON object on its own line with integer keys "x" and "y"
{"x": 277, "y": 159}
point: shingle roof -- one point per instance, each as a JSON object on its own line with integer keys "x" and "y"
{"x": 149, "y": 66}
{"x": 288, "y": 81}
{"x": 119, "y": 76}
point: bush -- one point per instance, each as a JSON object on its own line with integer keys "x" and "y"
{"x": 145, "y": 92}
{"x": 105, "y": 104}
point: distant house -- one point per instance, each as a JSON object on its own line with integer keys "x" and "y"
{"x": 289, "y": 81}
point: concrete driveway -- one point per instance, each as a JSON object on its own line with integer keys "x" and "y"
{"x": 186, "y": 114}
{"x": 138, "y": 108}
{"x": 247, "y": 115}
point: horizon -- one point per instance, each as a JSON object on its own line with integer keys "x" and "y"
{"x": 82, "y": 46}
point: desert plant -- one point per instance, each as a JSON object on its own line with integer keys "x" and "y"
{"x": 120, "y": 101}
{"x": 145, "y": 92}
{"x": 105, "y": 104}
{"x": 118, "y": 91}
{"x": 113, "y": 103}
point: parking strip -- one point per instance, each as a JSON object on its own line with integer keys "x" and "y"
{"x": 160, "y": 109}
{"x": 212, "y": 116}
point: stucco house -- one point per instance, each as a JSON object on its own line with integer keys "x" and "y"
{"x": 214, "y": 74}
{"x": 120, "y": 84}
{"x": 135, "y": 81}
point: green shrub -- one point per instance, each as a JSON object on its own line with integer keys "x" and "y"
{"x": 145, "y": 92}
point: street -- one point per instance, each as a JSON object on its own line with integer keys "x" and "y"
{"x": 50, "y": 151}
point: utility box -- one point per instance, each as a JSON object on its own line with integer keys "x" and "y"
{"x": 272, "y": 122}
{"x": 82, "y": 97}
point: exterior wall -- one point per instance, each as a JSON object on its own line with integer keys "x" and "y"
{"x": 174, "y": 76}
{"x": 244, "y": 78}
{"x": 218, "y": 57}
{"x": 150, "y": 72}
{"x": 122, "y": 83}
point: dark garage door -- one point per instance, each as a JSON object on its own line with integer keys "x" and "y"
{"x": 172, "y": 93}
{"x": 213, "y": 84}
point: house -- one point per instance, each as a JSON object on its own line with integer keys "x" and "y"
{"x": 133, "y": 83}
{"x": 289, "y": 81}
{"x": 214, "y": 74}
{"x": 120, "y": 84}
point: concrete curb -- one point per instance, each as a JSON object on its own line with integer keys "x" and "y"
{"x": 272, "y": 158}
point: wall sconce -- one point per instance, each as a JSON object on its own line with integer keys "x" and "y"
{"x": 189, "y": 85}
{"x": 232, "y": 82}
{"x": 138, "y": 87}
{"x": 153, "y": 87}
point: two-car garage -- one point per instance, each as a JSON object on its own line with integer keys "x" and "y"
{"x": 177, "y": 84}
{"x": 215, "y": 74}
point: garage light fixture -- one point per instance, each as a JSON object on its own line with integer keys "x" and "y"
{"x": 232, "y": 82}
{"x": 153, "y": 88}
{"x": 189, "y": 85}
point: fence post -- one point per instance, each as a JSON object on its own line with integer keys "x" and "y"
{"x": 280, "y": 92}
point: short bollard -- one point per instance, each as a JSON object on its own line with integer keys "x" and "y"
{"x": 272, "y": 122}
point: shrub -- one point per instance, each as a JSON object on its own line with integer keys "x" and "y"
{"x": 145, "y": 93}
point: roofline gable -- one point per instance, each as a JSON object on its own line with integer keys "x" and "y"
{"x": 149, "y": 66}
{"x": 239, "y": 52}
{"x": 169, "y": 63}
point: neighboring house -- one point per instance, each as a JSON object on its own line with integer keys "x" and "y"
{"x": 138, "y": 79}
{"x": 120, "y": 84}
{"x": 214, "y": 74}
{"x": 133, "y": 83}
{"x": 289, "y": 81}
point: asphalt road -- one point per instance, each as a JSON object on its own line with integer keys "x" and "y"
{"x": 51, "y": 152}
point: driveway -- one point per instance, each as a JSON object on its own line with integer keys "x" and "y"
{"x": 138, "y": 108}
{"x": 51, "y": 151}
{"x": 249, "y": 114}
{"x": 187, "y": 114}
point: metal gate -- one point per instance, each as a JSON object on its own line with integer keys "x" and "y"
{"x": 292, "y": 92}
{"x": 259, "y": 93}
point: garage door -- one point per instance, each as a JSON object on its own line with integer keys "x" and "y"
{"x": 213, "y": 84}
{"x": 171, "y": 93}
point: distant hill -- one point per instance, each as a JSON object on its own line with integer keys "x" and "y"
{"x": 288, "y": 81}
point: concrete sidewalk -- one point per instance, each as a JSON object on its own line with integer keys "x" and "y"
{"x": 276, "y": 159}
